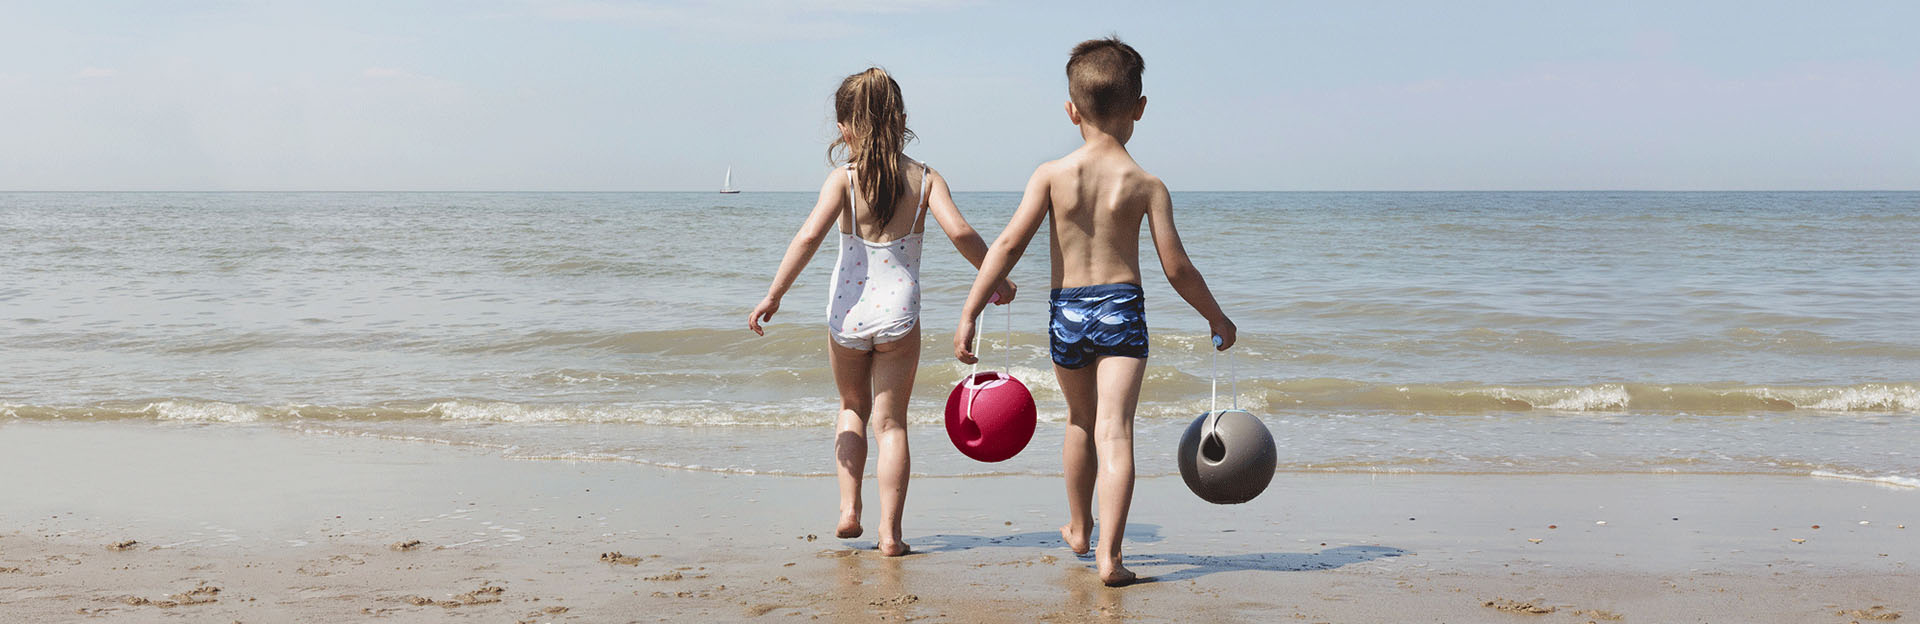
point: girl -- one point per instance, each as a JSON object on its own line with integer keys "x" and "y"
{"x": 880, "y": 200}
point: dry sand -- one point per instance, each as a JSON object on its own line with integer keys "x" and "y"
{"x": 258, "y": 524}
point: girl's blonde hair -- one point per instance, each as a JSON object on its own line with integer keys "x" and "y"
{"x": 869, "y": 104}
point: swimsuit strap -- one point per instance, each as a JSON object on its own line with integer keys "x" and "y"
{"x": 853, "y": 225}
{"x": 920, "y": 221}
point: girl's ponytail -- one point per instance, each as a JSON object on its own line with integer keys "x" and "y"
{"x": 870, "y": 105}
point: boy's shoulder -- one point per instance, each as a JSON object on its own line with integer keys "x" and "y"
{"x": 1121, "y": 168}
{"x": 1094, "y": 163}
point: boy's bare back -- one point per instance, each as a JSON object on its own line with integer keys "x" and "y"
{"x": 1097, "y": 197}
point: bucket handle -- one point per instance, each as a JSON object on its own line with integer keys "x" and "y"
{"x": 1213, "y": 397}
{"x": 973, "y": 373}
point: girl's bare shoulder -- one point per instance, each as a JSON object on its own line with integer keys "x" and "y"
{"x": 836, "y": 179}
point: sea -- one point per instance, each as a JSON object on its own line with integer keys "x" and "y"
{"x": 1768, "y": 333}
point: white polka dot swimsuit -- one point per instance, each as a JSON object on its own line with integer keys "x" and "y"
{"x": 875, "y": 297}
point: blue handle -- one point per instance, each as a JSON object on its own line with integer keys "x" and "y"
{"x": 1216, "y": 341}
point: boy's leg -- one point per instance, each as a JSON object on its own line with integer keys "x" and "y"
{"x": 1119, "y": 381}
{"x": 894, "y": 366}
{"x": 850, "y": 374}
{"x": 1077, "y": 454}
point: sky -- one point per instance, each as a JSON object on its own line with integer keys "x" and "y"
{"x": 630, "y": 95}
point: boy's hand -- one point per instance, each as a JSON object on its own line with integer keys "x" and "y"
{"x": 963, "y": 343}
{"x": 762, "y": 313}
{"x": 1004, "y": 294}
{"x": 1224, "y": 330}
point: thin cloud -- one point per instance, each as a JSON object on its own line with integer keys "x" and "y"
{"x": 645, "y": 10}
{"x": 754, "y": 20}
{"x": 599, "y": 11}
{"x": 407, "y": 79}
{"x": 96, "y": 72}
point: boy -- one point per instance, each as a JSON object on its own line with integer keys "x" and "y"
{"x": 1097, "y": 196}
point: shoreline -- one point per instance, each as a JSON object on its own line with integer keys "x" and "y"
{"x": 301, "y": 527}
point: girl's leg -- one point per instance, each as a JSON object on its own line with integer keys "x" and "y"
{"x": 851, "y": 368}
{"x": 894, "y": 366}
{"x": 1077, "y": 454}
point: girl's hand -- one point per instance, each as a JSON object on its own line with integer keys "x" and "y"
{"x": 762, "y": 313}
{"x": 1004, "y": 294}
{"x": 1225, "y": 331}
{"x": 963, "y": 343}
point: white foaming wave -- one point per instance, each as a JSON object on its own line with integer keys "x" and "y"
{"x": 1573, "y": 399}
{"x": 1867, "y": 397}
{"x": 1040, "y": 382}
{"x": 704, "y": 413}
{"x": 1257, "y": 403}
{"x": 580, "y": 456}
{"x": 203, "y": 411}
{"x": 575, "y": 456}
{"x": 1886, "y": 480}
{"x": 507, "y": 412}
{"x": 515, "y": 452}
{"x": 401, "y": 437}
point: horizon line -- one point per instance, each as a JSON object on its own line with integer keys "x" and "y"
{"x": 710, "y": 191}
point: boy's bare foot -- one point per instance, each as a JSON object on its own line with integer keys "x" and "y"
{"x": 849, "y": 527}
{"x": 1076, "y": 537}
{"x": 894, "y": 548}
{"x": 1117, "y": 576}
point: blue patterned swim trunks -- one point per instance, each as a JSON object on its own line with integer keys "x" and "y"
{"x": 1091, "y": 321}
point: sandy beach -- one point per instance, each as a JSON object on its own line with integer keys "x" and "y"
{"x": 170, "y": 522}
{"x": 526, "y": 310}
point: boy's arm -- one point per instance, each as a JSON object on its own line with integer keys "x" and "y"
{"x": 1180, "y": 271}
{"x": 1002, "y": 256}
{"x": 805, "y": 242}
{"x": 965, "y": 240}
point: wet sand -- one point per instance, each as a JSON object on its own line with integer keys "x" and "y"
{"x": 260, "y": 524}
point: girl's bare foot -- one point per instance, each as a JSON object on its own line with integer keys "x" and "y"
{"x": 849, "y": 525}
{"x": 1076, "y": 536}
{"x": 894, "y": 548}
{"x": 1117, "y": 575}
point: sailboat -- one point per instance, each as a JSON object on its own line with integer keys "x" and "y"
{"x": 727, "y": 187}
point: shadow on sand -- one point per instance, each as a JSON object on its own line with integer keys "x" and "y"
{"x": 1195, "y": 565}
{"x": 1202, "y": 565}
{"x": 1141, "y": 533}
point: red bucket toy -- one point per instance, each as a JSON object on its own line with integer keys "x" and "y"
{"x": 990, "y": 416}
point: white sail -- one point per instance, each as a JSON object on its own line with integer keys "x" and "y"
{"x": 727, "y": 186}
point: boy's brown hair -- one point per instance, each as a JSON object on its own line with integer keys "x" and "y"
{"x": 1103, "y": 78}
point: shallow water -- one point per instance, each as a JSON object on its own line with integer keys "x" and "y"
{"x": 1417, "y": 332}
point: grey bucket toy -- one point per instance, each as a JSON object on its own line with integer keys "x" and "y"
{"x": 1227, "y": 456}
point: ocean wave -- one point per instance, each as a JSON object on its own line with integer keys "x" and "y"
{"x": 681, "y": 413}
{"x": 1341, "y": 395}
{"x": 179, "y": 410}
{"x": 699, "y": 457}
{"x": 1299, "y": 397}
{"x": 1887, "y": 480}
{"x": 685, "y": 413}
{"x": 794, "y": 337}
{"x": 579, "y": 266}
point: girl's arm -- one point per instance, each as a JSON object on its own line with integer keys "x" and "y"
{"x": 825, "y": 211}
{"x": 1180, "y": 271}
{"x": 1005, "y": 253}
{"x": 965, "y": 240}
